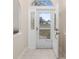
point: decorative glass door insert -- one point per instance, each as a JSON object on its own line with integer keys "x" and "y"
{"x": 44, "y": 25}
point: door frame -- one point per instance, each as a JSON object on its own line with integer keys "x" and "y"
{"x": 31, "y": 42}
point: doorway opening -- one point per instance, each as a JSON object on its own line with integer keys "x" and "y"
{"x": 43, "y": 26}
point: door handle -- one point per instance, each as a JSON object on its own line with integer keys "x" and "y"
{"x": 57, "y": 33}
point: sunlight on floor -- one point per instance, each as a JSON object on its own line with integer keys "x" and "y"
{"x": 39, "y": 54}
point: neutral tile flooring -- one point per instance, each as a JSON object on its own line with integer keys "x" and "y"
{"x": 39, "y": 54}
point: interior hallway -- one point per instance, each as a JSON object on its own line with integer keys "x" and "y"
{"x": 20, "y": 40}
{"x": 38, "y": 54}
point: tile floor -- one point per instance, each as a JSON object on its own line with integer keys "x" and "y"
{"x": 39, "y": 54}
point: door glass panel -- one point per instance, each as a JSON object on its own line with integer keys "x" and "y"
{"x": 32, "y": 20}
{"x": 44, "y": 34}
{"x": 44, "y": 20}
{"x": 42, "y": 3}
{"x": 44, "y": 25}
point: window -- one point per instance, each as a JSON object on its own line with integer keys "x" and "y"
{"x": 42, "y": 3}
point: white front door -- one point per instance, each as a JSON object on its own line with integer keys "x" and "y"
{"x": 45, "y": 28}
{"x": 42, "y": 29}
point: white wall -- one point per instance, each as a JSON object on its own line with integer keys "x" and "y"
{"x": 20, "y": 39}
{"x": 62, "y": 26}
{"x": 16, "y": 10}
{"x": 19, "y": 45}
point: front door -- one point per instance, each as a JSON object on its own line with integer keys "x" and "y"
{"x": 45, "y": 28}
